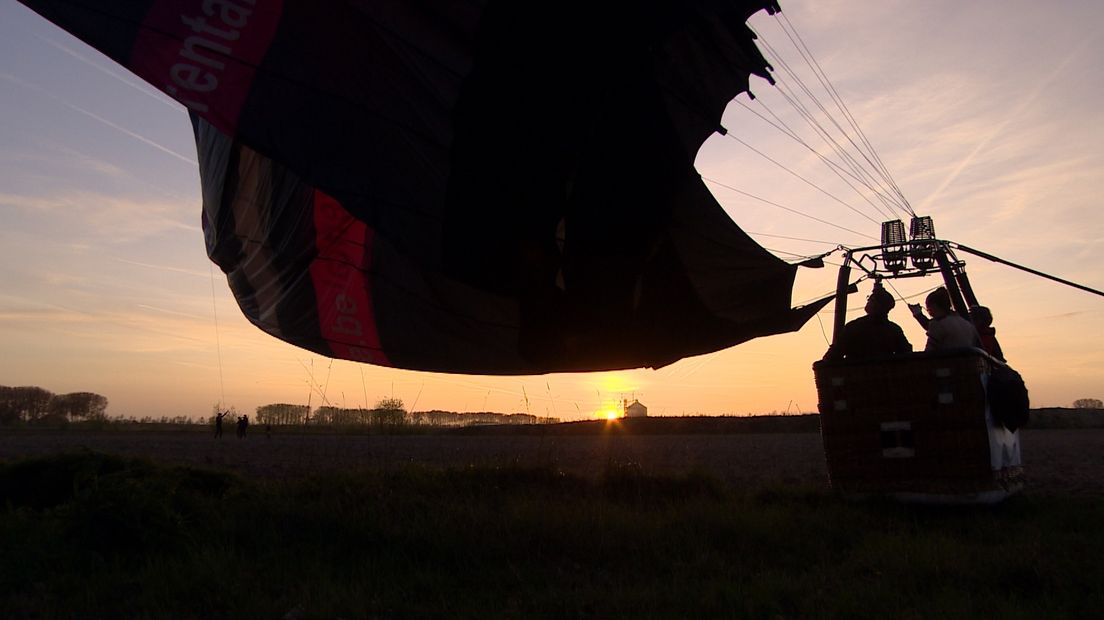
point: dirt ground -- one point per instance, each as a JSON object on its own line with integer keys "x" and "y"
{"x": 1056, "y": 462}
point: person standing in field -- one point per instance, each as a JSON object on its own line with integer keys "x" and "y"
{"x": 218, "y": 423}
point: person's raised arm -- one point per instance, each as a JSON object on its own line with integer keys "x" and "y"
{"x": 918, "y": 314}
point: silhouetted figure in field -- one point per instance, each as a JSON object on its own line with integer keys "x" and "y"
{"x": 218, "y": 423}
{"x": 872, "y": 335}
{"x": 243, "y": 426}
{"x": 946, "y": 330}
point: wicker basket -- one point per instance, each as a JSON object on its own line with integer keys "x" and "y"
{"x": 915, "y": 425}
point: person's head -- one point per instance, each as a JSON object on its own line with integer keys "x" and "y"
{"x": 938, "y": 303}
{"x": 981, "y": 316}
{"x": 880, "y": 302}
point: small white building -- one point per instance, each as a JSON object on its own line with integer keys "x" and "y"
{"x": 635, "y": 409}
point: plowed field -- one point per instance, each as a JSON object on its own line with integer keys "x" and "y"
{"x": 1057, "y": 462}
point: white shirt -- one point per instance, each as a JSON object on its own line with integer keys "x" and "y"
{"x": 951, "y": 332}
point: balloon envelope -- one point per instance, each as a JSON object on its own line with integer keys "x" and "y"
{"x": 489, "y": 187}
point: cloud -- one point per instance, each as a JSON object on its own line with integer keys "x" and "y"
{"x": 30, "y": 203}
{"x": 35, "y": 316}
{"x": 19, "y": 308}
{"x": 143, "y": 329}
{"x": 81, "y": 161}
{"x": 110, "y": 219}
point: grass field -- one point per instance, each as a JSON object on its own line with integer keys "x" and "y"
{"x": 98, "y": 532}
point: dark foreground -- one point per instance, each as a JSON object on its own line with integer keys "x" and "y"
{"x": 168, "y": 525}
{"x": 1060, "y": 462}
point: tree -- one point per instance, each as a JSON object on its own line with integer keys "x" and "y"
{"x": 1088, "y": 403}
{"x": 282, "y": 413}
{"x": 24, "y": 404}
{"x": 9, "y": 412}
{"x": 324, "y": 415}
{"x": 388, "y": 412}
{"x": 338, "y": 416}
{"x": 77, "y": 405}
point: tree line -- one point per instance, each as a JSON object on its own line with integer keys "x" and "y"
{"x": 387, "y": 412}
{"x": 34, "y": 405}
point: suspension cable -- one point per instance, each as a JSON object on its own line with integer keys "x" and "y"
{"x": 773, "y": 236}
{"x": 839, "y": 171}
{"x": 824, "y": 134}
{"x": 803, "y": 179}
{"x": 841, "y": 104}
{"x": 870, "y": 181}
{"x": 835, "y": 97}
{"x": 887, "y": 198}
{"x": 784, "y": 208}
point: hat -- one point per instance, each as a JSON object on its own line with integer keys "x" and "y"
{"x": 882, "y": 299}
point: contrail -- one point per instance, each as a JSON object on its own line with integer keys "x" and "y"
{"x": 1024, "y": 103}
{"x": 141, "y": 87}
{"x": 172, "y": 312}
{"x": 183, "y": 158}
{"x": 190, "y": 272}
{"x": 75, "y": 108}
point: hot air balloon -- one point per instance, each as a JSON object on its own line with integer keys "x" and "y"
{"x": 491, "y": 188}
{"x": 935, "y": 426}
{"x": 507, "y": 188}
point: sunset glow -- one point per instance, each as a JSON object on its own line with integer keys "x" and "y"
{"x": 616, "y": 383}
{"x": 105, "y": 285}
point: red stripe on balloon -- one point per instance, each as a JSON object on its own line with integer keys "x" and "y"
{"x": 341, "y": 274}
{"x": 205, "y": 54}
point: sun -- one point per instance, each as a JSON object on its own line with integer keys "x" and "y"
{"x": 608, "y": 409}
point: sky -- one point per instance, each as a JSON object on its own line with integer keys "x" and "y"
{"x": 987, "y": 114}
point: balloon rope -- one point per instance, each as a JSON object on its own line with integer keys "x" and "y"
{"x": 842, "y": 152}
{"x": 883, "y": 194}
{"x": 218, "y": 340}
{"x": 762, "y": 234}
{"x": 784, "y": 208}
{"x": 807, "y": 54}
{"x": 801, "y": 178}
{"x": 997, "y": 259}
{"x": 839, "y": 170}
